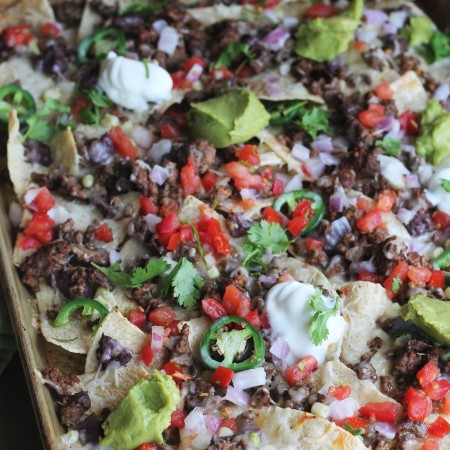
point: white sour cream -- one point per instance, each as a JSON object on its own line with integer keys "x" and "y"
{"x": 289, "y": 316}
{"x": 435, "y": 193}
{"x": 126, "y": 83}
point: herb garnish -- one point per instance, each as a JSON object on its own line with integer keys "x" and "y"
{"x": 396, "y": 284}
{"x": 230, "y": 52}
{"x": 391, "y": 147}
{"x": 445, "y": 184}
{"x": 147, "y": 68}
{"x": 144, "y": 7}
{"x": 318, "y": 331}
{"x": 99, "y": 101}
{"x": 355, "y": 431}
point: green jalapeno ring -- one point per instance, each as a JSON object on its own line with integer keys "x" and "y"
{"x": 443, "y": 260}
{"x": 21, "y": 100}
{"x": 212, "y": 336}
{"x": 291, "y": 199}
{"x": 99, "y": 39}
{"x": 87, "y": 304}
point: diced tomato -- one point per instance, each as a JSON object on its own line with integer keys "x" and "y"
{"x": 242, "y": 176}
{"x": 249, "y": 155}
{"x": 297, "y": 225}
{"x": 430, "y": 444}
{"x": 229, "y": 423}
{"x": 370, "y": 221}
{"x": 386, "y": 201}
{"x": 340, "y": 392}
{"x": 439, "y": 428}
{"x": 213, "y": 226}
{"x": 79, "y": 104}
{"x": 303, "y": 209}
{"x": 441, "y": 220}
{"x": 17, "y": 35}
{"x": 356, "y": 422}
{"x": 174, "y": 370}
{"x": 167, "y": 227}
{"x": 192, "y": 61}
{"x": 186, "y": 233}
{"x": 372, "y": 116}
{"x": 445, "y": 409}
{"x": 313, "y": 244}
{"x": 45, "y": 237}
{"x": 163, "y": 316}
{"x": 300, "y": 371}
{"x": 103, "y": 233}
{"x": 213, "y": 308}
{"x": 359, "y": 45}
{"x": 177, "y": 418}
{"x": 245, "y": 72}
{"x": 383, "y": 411}
{"x": 384, "y": 91}
{"x": 429, "y": 372}
{"x": 174, "y": 241}
{"x": 190, "y": 181}
{"x": 179, "y": 80}
{"x": 362, "y": 203}
{"x": 400, "y": 272}
{"x": 147, "y": 446}
{"x": 437, "y": 279}
{"x": 409, "y": 122}
{"x": 231, "y": 299}
{"x": 254, "y": 319}
{"x": 51, "y": 30}
{"x": 123, "y": 143}
{"x": 365, "y": 275}
{"x": 436, "y": 390}
{"x": 168, "y": 206}
{"x": 28, "y": 243}
{"x": 43, "y": 202}
{"x": 137, "y": 318}
{"x": 39, "y": 228}
{"x": 148, "y": 206}
{"x": 221, "y": 244}
{"x": 418, "y": 404}
{"x": 268, "y": 173}
{"x": 173, "y": 328}
{"x": 271, "y": 215}
{"x": 278, "y": 187}
{"x": 244, "y": 307}
{"x": 265, "y": 324}
{"x": 321, "y": 10}
{"x": 147, "y": 354}
{"x": 222, "y": 376}
{"x": 419, "y": 274}
{"x": 209, "y": 180}
{"x": 221, "y": 73}
{"x": 169, "y": 132}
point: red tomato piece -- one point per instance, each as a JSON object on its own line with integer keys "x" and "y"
{"x": 249, "y": 155}
{"x": 428, "y": 373}
{"x": 162, "y": 316}
{"x": 313, "y": 244}
{"x": 243, "y": 178}
{"x": 370, "y": 221}
{"x": 179, "y": 80}
{"x": 43, "y": 202}
{"x": 213, "y": 227}
{"x": 173, "y": 328}
{"x": 356, "y": 422}
{"x": 174, "y": 241}
{"x": 51, "y": 30}
{"x": 340, "y": 392}
{"x": 186, "y": 233}
{"x": 147, "y": 354}
{"x": 268, "y": 173}
{"x": 265, "y": 324}
{"x": 28, "y": 243}
{"x": 148, "y": 206}
{"x": 168, "y": 206}
{"x": 169, "y": 132}
{"x": 174, "y": 370}
{"x": 437, "y": 279}
{"x": 362, "y": 203}
{"x": 399, "y": 272}
{"x": 229, "y": 423}
{"x": 365, "y": 275}
{"x": 103, "y": 233}
{"x": 419, "y": 274}
{"x": 244, "y": 307}
{"x": 222, "y": 376}
{"x": 418, "y": 404}
{"x": 439, "y": 428}
{"x": 441, "y": 220}
{"x": 384, "y": 91}
{"x": 321, "y": 10}
{"x": 303, "y": 209}
{"x": 213, "y": 308}
{"x": 123, "y": 143}
{"x": 209, "y": 180}
{"x": 254, "y": 319}
{"x": 221, "y": 73}
{"x": 147, "y": 446}
{"x": 278, "y": 187}
{"x": 300, "y": 371}
{"x": 297, "y": 225}
{"x": 383, "y": 411}
{"x": 167, "y": 227}
{"x": 192, "y": 61}
{"x": 430, "y": 444}
{"x": 445, "y": 409}
{"x": 39, "y": 224}
{"x": 231, "y": 299}
{"x": 177, "y": 418}
{"x": 190, "y": 181}
{"x": 271, "y": 215}
{"x": 409, "y": 122}
{"x": 386, "y": 201}
{"x": 372, "y": 116}
{"x": 436, "y": 390}
{"x": 137, "y": 318}
{"x": 245, "y": 72}
{"x": 17, "y": 35}
{"x": 221, "y": 244}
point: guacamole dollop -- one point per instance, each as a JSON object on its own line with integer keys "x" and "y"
{"x": 429, "y": 315}
{"x": 419, "y": 31}
{"x": 228, "y": 119}
{"x": 433, "y": 142}
{"x": 143, "y": 414}
{"x": 323, "y": 39}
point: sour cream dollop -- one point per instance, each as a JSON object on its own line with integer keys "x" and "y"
{"x": 127, "y": 83}
{"x": 435, "y": 193}
{"x": 289, "y": 316}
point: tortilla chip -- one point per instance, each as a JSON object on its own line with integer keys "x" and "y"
{"x": 33, "y": 12}
{"x": 286, "y": 428}
{"x": 193, "y": 209}
{"x": 209, "y": 15}
{"x": 66, "y": 361}
{"x": 64, "y": 151}
{"x": 197, "y": 328}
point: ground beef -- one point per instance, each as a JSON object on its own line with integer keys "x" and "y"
{"x": 203, "y": 154}
{"x": 54, "y": 57}
{"x": 68, "y": 12}
{"x": 58, "y": 380}
{"x": 416, "y": 259}
{"x": 376, "y": 441}
{"x": 346, "y": 177}
{"x": 386, "y": 385}
{"x": 90, "y": 429}
{"x": 44, "y": 262}
{"x": 245, "y": 423}
{"x": 182, "y": 354}
{"x": 74, "y": 408}
{"x": 413, "y": 356}
{"x": 365, "y": 371}
{"x": 408, "y": 431}
{"x": 317, "y": 257}
{"x": 260, "y": 398}
{"x": 141, "y": 178}
{"x": 198, "y": 392}
{"x": 111, "y": 351}
{"x": 38, "y": 152}
{"x": 237, "y": 225}
{"x": 420, "y": 224}
{"x": 144, "y": 295}
{"x": 373, "y": 60}
{"x": 97, "y": 255}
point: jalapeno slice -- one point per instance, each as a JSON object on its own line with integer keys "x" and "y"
{"x": 292, "y": 198}
{"x": 97, "y": 45}
{"x": 443, "y": 260}
{"x": 233, "y": 343}
{"x": 88, "y": 306}
{"x": 14, "y": 97}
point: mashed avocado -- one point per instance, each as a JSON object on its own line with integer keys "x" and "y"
{"x": 143, "y": 414}
{"x": 429, "y": 315}
{"x": 323, "y": 39}
{"x": 419, "y": 31}
{"x": 231, "y": 118}
{"x": 434, "y": 140}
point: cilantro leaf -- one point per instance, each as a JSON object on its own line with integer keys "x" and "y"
{"x": 313, "y": 121}
{"x": 439, "y": 46}
{"x": 115, "y": 274}
{"x": 396, "y": 284}
{"x": 445, "y": 184}
{"x": 353, "y": 430}
{"x": 318, "y": 330}
{"x": 230, "y": 52}
{"x": 92, "y": 114}
{"x": 185, "y": 282}
{"x": 98, "y": 99}
{"x": 390, "y": 146}
{"x": 153, "y": 268}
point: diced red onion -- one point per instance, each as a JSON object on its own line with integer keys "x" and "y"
{"x": 338, "y": 200}
{"x": 386, "y": 124}
{"x": 195, "y": 423}
{"x": 366, "y": 35}
{"x": 280, "y": 348}
{"x": 114, "y": 256}
{"x": 300, "y": 152}
{"x": 388, "y": 28}
{"x": 323, "y": 144}
{"x": 386, "y": 429}
{"x": 398, "y": 19}
{"x": 314, "y": 167}
{"x": 158, "y": 25}
{"x": 143, "y": 137}
{"x": 405, "y": 215}
{"x": 151, "y": 221}
{"x": 276, "y": 39}
{"x": 412, "y": 180}
{"x": 268, "y": 279}
{"x": 417, "y": 246}
{"x": 341, "y": 409}
{"x": 157, "y": 337}
{"x": 267, "y": 257}
{"x": 59, "y": 214}
{"x": 237, "y": 396}
{"x": 442, "y": 92}
{"x": 395, "y": 132}
{"x": 210, "y": 260}
{"x": 248, "y": 194}
{"x": 212, "y": 423}
{"x": 328, "y": 159}
{"x": 375, "y": 17}
{"x": 15, "y": 213}
{"x": 194, "y": 73}
{"x": 159, "y": 175}
{"x": 30, "y": 195}
{"x": 159, "y": 149}
{"x": 249, "y": 378}
{"x": 324, "y": 389}
{"x": 168, "y": 40}
{"x": 272, "y": 86}
{"x": 339, "y": 227}
{"x": 294, "y": 184}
